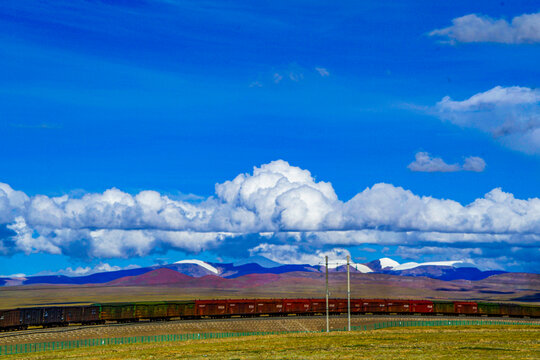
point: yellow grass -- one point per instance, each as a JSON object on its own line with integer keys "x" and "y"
{"x": 493, "y": 342}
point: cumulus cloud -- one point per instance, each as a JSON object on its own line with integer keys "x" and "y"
{"x": 87, "y": 270}
{"x": 473, "y": 28}
{"x": 510, "y": 114}
{"x": 276, "y": 201}
{"x": 292, "y": 254}
{"x": 426, "y": 163}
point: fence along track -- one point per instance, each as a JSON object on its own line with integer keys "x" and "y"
{"x": 76, "y": 344}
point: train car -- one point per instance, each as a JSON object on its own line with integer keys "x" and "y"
{"x": 31, "y": 317}
{"x": 465, "y": 307}
{"x": 119, "y": 312}
{"x": 269, "y": 306}
{"x": 53, "y": 316}
{"x": 10, "y": 320}
{"x": 374, "y": 305}
{"x": 154, "y": 310}
{"x": 91, "y": 315}
{"x": 490, "y": 309}
{"x": 398, "y": 306}
{"x": 211, "y": 308}
{"x": 73, "y": 314}
{"x": 297, "y": 306}
{"x": 244, "y": 307}
{"x": 317, "y": 306}
{"x": 442, "y": 307}
{"x": 357, "y": 306}
{"x": 530, "y": 310}
{"x": 421, "y": 307}
{"x": 181, "y": 309}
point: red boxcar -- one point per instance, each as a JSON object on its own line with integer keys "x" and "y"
{"x": 374, "y": 305}
{"x": 337, "y": 306}
{"x": 268, "y": 306}
{"x": 296, "y": 306}
{"x": 421, "y": 306}
{"x": 241, "y": 307}
{"x": 211, "y": 307}
{"x": 398, "y": 306}
{"x": 318, "y": 306}
{"x": 465, "y": 307}
{"x": 91, "y": 315}
{"x": 357, "y": 306}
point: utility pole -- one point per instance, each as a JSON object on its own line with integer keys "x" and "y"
{"x": 327, "y": 319}
{"x": 348, "y": 294}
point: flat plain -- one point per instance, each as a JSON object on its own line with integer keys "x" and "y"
{"x": 479, "y": 342}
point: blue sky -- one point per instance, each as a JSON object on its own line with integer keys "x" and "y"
{"x": 178, "y": 96}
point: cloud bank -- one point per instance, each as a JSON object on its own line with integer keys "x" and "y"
{"x": 277, "y": 203}
{"x": 473, "y": 28}
{"x": 426, "y": 163}
{"x": 510, "y": 114}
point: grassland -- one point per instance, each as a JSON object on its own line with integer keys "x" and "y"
{"x": 493, "y": 342}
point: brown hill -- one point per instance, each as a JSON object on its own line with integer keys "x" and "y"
{"x": 161, "y": 276}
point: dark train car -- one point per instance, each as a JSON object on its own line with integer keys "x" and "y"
{"x": 91, "y": 314}
{"x": 398, "y": 306}
{"x": 10, "y": 320}
{"x": 465, "y": 307}
{"x": 31, "y": 316}
{"x": 181, "y": 309}
{"x": 374, "y": 305}
{"x": 212, "y": 308}
{"x": 443, "y": 307}
{"x": 530, "y": 310}
{"x": 490, "y": 309}
{"x": 512, "y": 309}
{"x": 74, "y": 314}
{"x": 242, "y": 307}
{"x": 120, "y": 312}
{"x": 53, "y": 316}
{"x": 421, "y": 306}
{"x": 297, "y": 306}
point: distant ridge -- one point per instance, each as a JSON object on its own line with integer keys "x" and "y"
{"x": 198, "y": 269}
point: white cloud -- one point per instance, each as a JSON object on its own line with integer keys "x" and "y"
{"x": 473, "y": 28}
{"x": 283, "y": 201}
{"x": 474, "y": 163}
{"x": 277, "y": 78}
{"x": 425, "y": 163}
{"x": 509, "y": 114}
{"x": 87, "y": 270}
{"x": 322, "y": 71}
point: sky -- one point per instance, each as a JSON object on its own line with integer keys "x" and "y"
{"x": 147, "y": 131}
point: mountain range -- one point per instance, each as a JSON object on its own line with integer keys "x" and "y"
{"x": 197, "y": 269}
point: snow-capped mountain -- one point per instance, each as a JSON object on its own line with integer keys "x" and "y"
{"x": 443, "y": 270}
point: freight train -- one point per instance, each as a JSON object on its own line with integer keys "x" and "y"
{"x": 22, "y": 318}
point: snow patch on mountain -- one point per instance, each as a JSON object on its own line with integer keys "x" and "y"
{"x": 200, "y": 263}
{"x": 388, "y": 263}
{"x": 360, "y": 267}
{"x": 412, "y": 265}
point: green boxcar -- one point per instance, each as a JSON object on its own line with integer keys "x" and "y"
{"x": 443, "y": 307}
{"x": 485, "y": 308}
{"x": 180, "y": 309}
{"x": 117, "y": 311}
{"x": 151, "y": 310}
